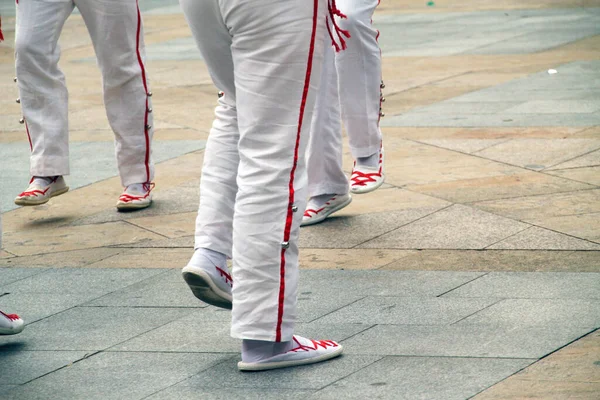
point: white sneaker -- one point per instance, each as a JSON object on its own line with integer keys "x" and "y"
{"x": 365, "y": 179}
{"x": 314, "y": 214}
{"x": 42, "y": 189}
{"x": 136, "y": 196}
{"x": 10, "y": 324}
{"x": 210, "y": 284}
{"x": 307, "y": 351}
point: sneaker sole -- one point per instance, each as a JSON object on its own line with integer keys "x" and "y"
{"x": 132, "y": 206}
{"x": 242, "y": 366}
{"x": 205, "y": 289}
{"x": 25, "y": 202}
{"x": 363, "y": 190}
{"x": 322, "y": 218}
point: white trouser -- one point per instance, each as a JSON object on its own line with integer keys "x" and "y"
{"x": 350, "y": 79}
{"x": 115, "y": 27}
{"x": 266, "y": 56}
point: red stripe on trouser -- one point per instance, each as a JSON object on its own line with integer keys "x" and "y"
{"x": 290, "y": 213}
{"x": 28, "y": 136}
{"x": 139, "y": 57}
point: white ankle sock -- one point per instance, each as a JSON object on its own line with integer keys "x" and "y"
{"x": 370, "y": 161}
{"x": 257, "y": 350}
{"x": 43, "y": 181}
{"x": 317, "y": 202}
{"x": 216, "y": 258}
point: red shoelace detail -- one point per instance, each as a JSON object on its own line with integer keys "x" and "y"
{"x": 228, "y": 278}
{"x": 127, "y": 198}
{"x": 361, "y": 179}
{"x": 316, "y": 343}
{"x": 35, "y": 192}
{"x": 312, "y": 210}
{"x": 12, "y": 317}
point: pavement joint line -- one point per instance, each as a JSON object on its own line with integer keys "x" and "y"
{"x": 572, "y": 168}
{"x": 463, "y": 284}
{"x": 403, "y": 225}
{"x": 509, "y": 236}
{"x": 505, "y": 378}
{"x": 570, "y": 159}
{"x": 358, "y": 333}
{"x": 351, "y": 373}
{"x": 392, "y": 262}
{"x": 337, "y": 309}
{"x": 528, "y": 32}
{"x": 500, "y": 300}
{"x": 143, "y": 228}
{"x": 533, "y": 195}
{"x": 85, "y": 356}
{"x": 566, "y": 234}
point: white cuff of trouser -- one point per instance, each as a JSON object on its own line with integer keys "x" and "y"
{"x": 41, "y": 165}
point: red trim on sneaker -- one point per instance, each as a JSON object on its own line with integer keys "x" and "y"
{"x": 290, "y": 212}
{"x": 12, "y": 317}
{"x": 139, "y": 57}
{"x": 228, "y": 278}
{"x": 127, "y": 198}
{"x": 316, "y": 343}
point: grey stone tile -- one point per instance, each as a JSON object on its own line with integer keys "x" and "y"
{"x": 536, "y": 238}
{"x": 10, "y": 275}
{"x": 164, "y": 290}
{"x": 586, "y": 160}
{"x": 358, "y": 229}
{"x": 397, "y": 378}
{"x": 540, "y": 312}
{"x": 35, "y": 306}
{"x": 406, "y": 311}
{"x": 383, "y": 283}
{"x": 175, "y": 49}
{"x": 533, "y": 285}
{"x": 181, "y": 392}
{"x": 463, "y": 145}
{"x": 456, "y": 227}
{"x": 462, "y": 340}
{"x": 315, "y": 376}
{"x": 583, "y": 106}
{"x": 455, "y": 107}
{"x": 117, "y": 376}
{"x": 76, "y": 280}
{"x": 180, "y": 242}
{"x": 19, "y": 367}
{"x": 206, "y": 332}
{"x": 93, "y": 328}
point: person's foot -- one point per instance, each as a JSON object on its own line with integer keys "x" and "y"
{"x": 207, "y": 276}
{"x": 10, "y": 324}
{"x": 303, "y": 351}
{"x": 321, "y": 207}
{"x": 367, "y": 174}
{"x": 136, "y": 196}
{"x": 41, "y": 189}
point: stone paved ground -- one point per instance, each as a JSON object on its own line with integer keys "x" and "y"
{"x": 474, "y": 272}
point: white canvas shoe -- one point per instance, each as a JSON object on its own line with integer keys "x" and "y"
{"x": 314, "y": 214}
{"x": 305, "y": 351}
{"x": 365, "y": 179}
{"x": 42, "y": 189}
{"x": 210, "y": 284}
{"x": 136, "y": 196}
{"x": 10, "y": 324}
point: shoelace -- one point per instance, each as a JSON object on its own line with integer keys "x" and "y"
{"x": 339, "y": 32}
{"x": 316, "y": 343}
{"x": 228, "y": 278}
{"x": 361, "y": 179}
{"x": 126, "y": 197}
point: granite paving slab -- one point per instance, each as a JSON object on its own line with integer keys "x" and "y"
{"x": 406, "y": 310}
{"x": 33, "y": 307}
{"x": 93, "y": 328}
{"x": 116, "y": 376}
{"x": 20, "y": 367}
{"x": 183, "y": 392}
{"x": 10, "y": 275}
{"x": 456, "y": 227}
{"x": 541, "y": 285}
{"x": 536, "y": 238}
{"x": 422, "y": 378}
{"x": 463, "y": 340}
{"x": 539, "y": 312}
{"x": 74, "y": 280}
